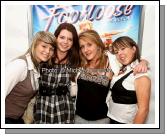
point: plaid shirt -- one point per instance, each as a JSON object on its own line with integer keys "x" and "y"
{"x": 52, "y": 109}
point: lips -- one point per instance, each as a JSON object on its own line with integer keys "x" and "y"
{"x": 64, "y": 45}
{"x": 122, "y": 58}
{"x": 87, "y": 55}
{"x": 45, "y": 55}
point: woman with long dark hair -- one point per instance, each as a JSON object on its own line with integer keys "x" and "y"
{"x": 54, "y": 104}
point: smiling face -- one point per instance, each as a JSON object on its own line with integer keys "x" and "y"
{"x": 64, "y": 41}
{"x": 43, "y": 51}
{"x": 126, "y": 50}
{"x": 125, "y": 55}
{"x": 89, "y": 49}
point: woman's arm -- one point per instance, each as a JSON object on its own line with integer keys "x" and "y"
{"x": 142, "y": 67}
{"x": 143, "y": 87}
{"x": 113, "y": 62}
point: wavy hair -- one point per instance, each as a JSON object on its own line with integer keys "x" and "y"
{"x": 93, "y": 36}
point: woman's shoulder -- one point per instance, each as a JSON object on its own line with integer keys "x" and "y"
{"x": 17, "y": 67}
{"x": 18, "y": 63}
{"x": 138, "y": 75}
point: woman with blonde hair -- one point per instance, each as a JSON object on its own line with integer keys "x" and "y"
{"x": 93, "y": 83}
{"x": 54, "y": 104}
{"x": 22, "y": 76}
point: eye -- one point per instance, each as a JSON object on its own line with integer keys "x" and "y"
{"x": 52, "y": 49}
{"x": 122, "y": 48}
{"x": 44, "y": 46}
{"x": 62, "y": 37}
{"x": 115, "y": 52}
{"x": 70, "y": 39}
{"x": 89, "y": 44}
{"x": 81, "y": 46}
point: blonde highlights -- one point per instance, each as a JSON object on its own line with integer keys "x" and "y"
{"x": 95, "y": 38}
{"x": 45, "y": 37}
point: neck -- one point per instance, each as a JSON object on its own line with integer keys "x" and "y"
{"x": 61, "y": 56}
{"x": 93, "y": 63}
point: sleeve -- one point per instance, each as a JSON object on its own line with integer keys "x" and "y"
{"x": 74, "y": 87}
{"x": 114, "y": 64}
{"x": 142, "y": 74}
{"x": 15, "y": 72}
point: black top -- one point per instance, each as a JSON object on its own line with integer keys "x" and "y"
{"x": 91, "y": 97}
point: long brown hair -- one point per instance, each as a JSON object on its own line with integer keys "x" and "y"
{"x": 73, "y": 54}
{"x": 94, "y": 37}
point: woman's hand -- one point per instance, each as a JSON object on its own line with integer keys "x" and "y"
{"x": 142, "y": 67}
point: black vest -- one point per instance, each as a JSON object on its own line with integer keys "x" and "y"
{"x": 122, "y": 95}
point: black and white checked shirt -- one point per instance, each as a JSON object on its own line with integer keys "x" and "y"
{"x": 54, "y": 109}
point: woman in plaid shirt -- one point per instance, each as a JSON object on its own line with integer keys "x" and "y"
{"x": 54, "y": 103}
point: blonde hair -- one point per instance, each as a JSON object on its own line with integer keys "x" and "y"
{"x": 94, "y": 37}
{"x": 45, "y": 37}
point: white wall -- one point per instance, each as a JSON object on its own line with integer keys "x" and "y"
{"x": 16, "y": 34}
{"x": 16, "y": 31}
{"x": 148, "y": 52}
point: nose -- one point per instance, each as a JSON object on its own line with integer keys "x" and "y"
{"x": 65, "y": 40}
{"x": 47, "y": 50}
{"x": 85, "y": 49}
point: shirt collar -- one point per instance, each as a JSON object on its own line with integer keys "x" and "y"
{"x": 132, "y": 65}
{"x": 30, "y": 63}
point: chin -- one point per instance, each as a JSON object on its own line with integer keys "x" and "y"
{"x": 88, "y": 59}
{"x": 123, "y": 63}
{"x": 44, "y": 60}
{"x": 64, "y": 51}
